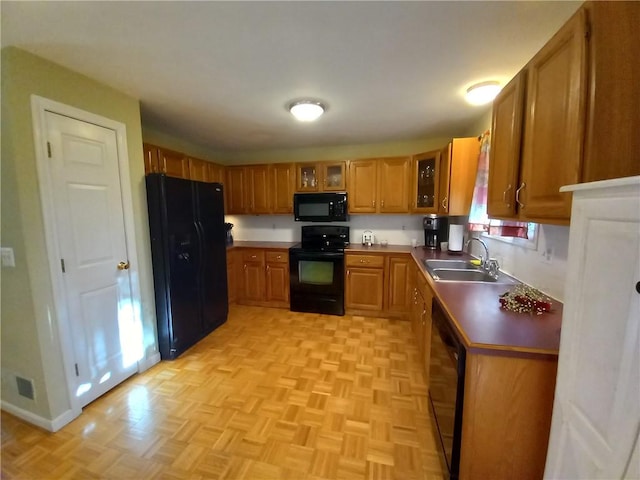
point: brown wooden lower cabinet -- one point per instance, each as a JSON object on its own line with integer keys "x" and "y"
{"x": 420, "y": 316}
{"x": 378, "y": 284}
{"x": 508, "y": 400}
{"x": 364, "y": 282}
{"x": 263, "y": 277}
{"x": 506, "y": 416}
{"x": 277, "y": 280}
{"x": 398, "y": 291}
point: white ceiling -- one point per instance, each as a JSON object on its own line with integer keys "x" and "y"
{"x": 220, "y": 74}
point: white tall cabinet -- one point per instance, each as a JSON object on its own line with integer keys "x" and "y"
{"x": 596, "y": 411}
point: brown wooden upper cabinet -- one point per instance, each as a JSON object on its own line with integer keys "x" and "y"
{"x": 283, "y": 185}
{"x": 362, "y": 183}
{"x": 425, "y": 188}
{"x": 379, "y": 185}
{"x": 198, "y": 170}
{"x": 162, "y": 160}
{"x": 235, "y": 190}
{"x": 248, "y": 189}
{"x": 569, "y": 116}
{"x": 215, "y": 173}
{"x": 260, "y": 189}
{"x": 321, "y": 177}
{"x": 506, "y": 138}
{"x": 554, "y": 84}
{"x": 179, "y": 165}
{"x": 458, "y": 172}
{"x": 257, "y": 189}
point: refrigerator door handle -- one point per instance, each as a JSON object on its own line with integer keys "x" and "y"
{"x": 201, "y": 252}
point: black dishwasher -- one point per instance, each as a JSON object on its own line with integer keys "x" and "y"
{"x": 446, "y": 387}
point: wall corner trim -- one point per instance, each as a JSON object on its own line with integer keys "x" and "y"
{"x": 30, "y": 417}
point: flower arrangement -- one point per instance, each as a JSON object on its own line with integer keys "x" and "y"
{"x": 525, "y": 299}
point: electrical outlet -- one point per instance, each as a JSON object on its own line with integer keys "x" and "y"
{"x": 8, "y": 260}
{"x": 547, "y": 255}
{"x": 273, "y": 226}
{"x": 403, "y": 227}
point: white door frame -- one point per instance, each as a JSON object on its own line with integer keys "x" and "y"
{"x": 39, "y": 107}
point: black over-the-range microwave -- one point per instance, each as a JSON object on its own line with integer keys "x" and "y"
{"x": 320, "y": 207}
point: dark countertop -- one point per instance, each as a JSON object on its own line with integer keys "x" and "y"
{"x": 475, "y": 312}
{"x": 258, "y": 244}
{"x": 473, "y": 308}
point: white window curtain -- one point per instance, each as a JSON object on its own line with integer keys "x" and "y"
{"x": 479, "y": 220}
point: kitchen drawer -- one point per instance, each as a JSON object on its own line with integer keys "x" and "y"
{"x": 277, "y": 256}
{"x": 364, "y": 260}
{"x": 253, "y": 255}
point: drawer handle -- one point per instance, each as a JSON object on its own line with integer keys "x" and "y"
{"x": 520, "y": 204}
{"x": 253, "y": 256}
{"x": 279, "y": 257}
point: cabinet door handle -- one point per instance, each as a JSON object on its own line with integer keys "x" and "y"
{"x": 504, "y": 196}
{"x": 382, "y": 203}
{"x": 245, "y": 266}
{"x": 520, "y": 204}
{"x": 267, "y": 268}
{"x": 445, "y": 202}
{"x": 348, "y": 273}
{"x": 373, "y": 203}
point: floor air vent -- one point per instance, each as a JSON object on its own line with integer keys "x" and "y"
{"x": 25, "y": 387}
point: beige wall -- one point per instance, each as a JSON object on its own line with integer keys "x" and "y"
{"x": 30, "y": 343}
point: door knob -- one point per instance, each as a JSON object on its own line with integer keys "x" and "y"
{"x": 123, "y": 266}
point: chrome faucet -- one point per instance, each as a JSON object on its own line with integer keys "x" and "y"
{"x": 490, "y": 265}
{"x": 483, "y": 261}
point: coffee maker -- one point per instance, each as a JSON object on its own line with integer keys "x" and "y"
{"x": 436, "y": 230}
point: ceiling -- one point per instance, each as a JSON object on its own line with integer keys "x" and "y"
{"x": 220, "y": 74}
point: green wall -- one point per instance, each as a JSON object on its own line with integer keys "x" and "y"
{"x": 30, "y": 343}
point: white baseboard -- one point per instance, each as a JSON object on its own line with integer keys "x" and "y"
{"x": 30, "y": 417}
{"x": 148, "y": 362}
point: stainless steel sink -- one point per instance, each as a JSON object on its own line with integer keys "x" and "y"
{"x": 462, "y": 275}
{"x": 450, "y": 264}
{"x": 463, "y": 271}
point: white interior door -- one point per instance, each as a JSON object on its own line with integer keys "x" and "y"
{"x": 596, "y": 412}
{"x": 88, "y": 210}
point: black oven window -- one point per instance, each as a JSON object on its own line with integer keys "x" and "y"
{"x": 315, "y": 272}
{"x": 313, "y": 209}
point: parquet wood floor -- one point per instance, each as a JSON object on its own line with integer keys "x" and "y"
{"x": 271, "y": 394}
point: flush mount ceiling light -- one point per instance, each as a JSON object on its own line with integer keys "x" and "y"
{"x": 482, "y": 93}
{"x": 306, "y": 110}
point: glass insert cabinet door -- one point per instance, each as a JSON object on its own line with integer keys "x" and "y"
{"x": 321, "y": 177}
{"x": 425, "y": 182}
{"x": 334, "y": 178}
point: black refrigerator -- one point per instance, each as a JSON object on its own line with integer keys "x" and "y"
{"x": 186, "y": 222}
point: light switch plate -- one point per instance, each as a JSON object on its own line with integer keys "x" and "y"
{"x": 8, "y": 260}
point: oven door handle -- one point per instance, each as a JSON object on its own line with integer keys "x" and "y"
{"x": 317, "y": 256}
